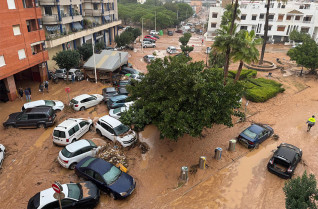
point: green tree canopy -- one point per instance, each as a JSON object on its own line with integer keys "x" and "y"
{"x": 216, "y": 59}
{"x": 85, "y": 51}
{"x": 228, "y": 14}
{"x": 298, "y": 36}
{"x": 182, "y": 97}
{"x": 184, "y": 40}
{"x": 125, "y": 38}
{"x": 67, "y": 59}
{"x": 301, "y": 192}
{"x": 305, "y": 55}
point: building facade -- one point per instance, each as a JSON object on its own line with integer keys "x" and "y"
{"x": 70, "y": 23}
{"x": 22, "y": 50}
{"x": 283, "y": 18}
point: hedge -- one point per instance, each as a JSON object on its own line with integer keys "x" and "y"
{"x": 261, "y": 89}
{"x": 245, "y": 74}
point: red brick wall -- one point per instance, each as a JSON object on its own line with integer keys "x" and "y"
{"x": 10, "y": 44}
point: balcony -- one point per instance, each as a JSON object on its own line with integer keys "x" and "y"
{"x": 307, "y": 21}
{"x": 47, "y": 2}
{"x": 76, "y": 2}
{"x": 50, "y": 19}
{"x": 38, "y": 58}
{"x": 92, "y": 1}
{"x": 93, "y": 13}
{"x": 58, "y": 40}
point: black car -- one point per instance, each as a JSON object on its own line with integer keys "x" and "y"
{"x": 170, "y": 33}
{"x": 77, "y": 195}
{"x": 106, "y": 176}
{"x": 123, "y": 83}
{"x": 285, "y": 160}
{"x": 42, "y": 116}
{"x": 123, "y": 91}
{"x": 149, "y": 39}
{"x": 128, "y": 70}
{"x": 109, "y": 92}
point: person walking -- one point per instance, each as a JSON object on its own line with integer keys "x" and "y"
{"x": 311, "y": 122}
{"x": 20, "y": 92}
{"x": 73, "y": 77}
{"x": 29, "y": 89}
{"x": 41, "y": 87}
{"x": 27, "y": 95}
{"x": 46, "y": 85}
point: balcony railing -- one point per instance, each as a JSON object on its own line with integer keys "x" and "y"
{"x": 91, "y": 12}
{"x": 50, "y": 19}
{"x": 47, "y": 2}
{"x": 93, "y": 1}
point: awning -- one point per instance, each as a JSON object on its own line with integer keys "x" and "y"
{"x": 77, "y": 26}
{"x": 36, "y": 43}
{"x": 52, "y": 28}
{"x": 107, "y": 18}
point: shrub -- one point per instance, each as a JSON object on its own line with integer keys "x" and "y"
{"x": 261, "y": 89}
{"x": 245, "y": 74}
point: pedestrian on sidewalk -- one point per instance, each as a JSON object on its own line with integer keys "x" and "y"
{"x": 73, "y": 77}
{"x": 20, "y": 92}
{"x": 46, "y": 85}
{"x": 27, "y": 95}
{"x": 29, "y": 89}
{"x": 41, "y": 87}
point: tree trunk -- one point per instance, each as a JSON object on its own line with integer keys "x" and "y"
{"x": 265, "y": 33}
{"x": 238, "y": 73}
{"x": 228, "y": 50}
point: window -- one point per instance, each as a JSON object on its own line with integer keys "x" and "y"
{"x": 48, "y": 10}
{"x": 304, "y": 30}
{"x": 243, "y": 17}
{"x": 301, "y": 7}
{"x": 278, "y": 5}
{"x": 307, "y": 19}
{"x": 297, "y": 18}
{"x": 21, "y": 54}
{"x": 283, "y": 6}
{"x": 95, "y": 6}
{"x": 243, "y": 28}
{"x": 89, "y": 172}
{"x": 16, "y": 30}
{"x": 280, "y": 17}
{"x": 11, "y": 4}
{"x": 76, "y": 128}
{"x": 254, "y": 17}
{"x": 83, "y": 123}
{"x": 280, "y": 28}
{"x": 288, "y": 17}
{"x": 99, "y": 178}
{"x": 71, "y": 132}
{"x": 213, "y": 25}
{"x": 270, "y": 17}
{"x": 261, "y": 16}
{"x": 215, "y": 15}
{"x": 2, "y": 62}
{"x": 269, "y": 27}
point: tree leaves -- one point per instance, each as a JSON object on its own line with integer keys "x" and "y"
{"x": 67, "y": 59}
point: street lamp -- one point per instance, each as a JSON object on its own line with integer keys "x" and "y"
{"x": 206, "y": 59}
{"x": 94, "y": 58}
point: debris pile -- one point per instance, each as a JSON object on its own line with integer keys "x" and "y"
{"x": 113, "y": 155}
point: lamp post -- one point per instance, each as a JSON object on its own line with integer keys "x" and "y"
{"x": 94, "y": 59}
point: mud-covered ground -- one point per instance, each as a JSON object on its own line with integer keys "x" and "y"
{"x": 238, "y": 180}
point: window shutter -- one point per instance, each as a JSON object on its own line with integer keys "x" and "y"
{"x": 11, "y": 4}
{"x": 2, "y": 62}
{"x": 21, "y": 54}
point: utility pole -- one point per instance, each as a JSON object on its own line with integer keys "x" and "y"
{"x": 142, "y": 34}
{"x": 94, "y": 59}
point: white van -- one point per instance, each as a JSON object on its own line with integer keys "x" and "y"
{"x": 71, "y": 130}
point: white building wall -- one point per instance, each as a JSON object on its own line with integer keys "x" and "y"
{"x": 299, "y": 15}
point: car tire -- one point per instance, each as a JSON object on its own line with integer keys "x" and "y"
{"x": 256, "y": 146}
{"x": 72, "y": 166}
{"x": 74, "y": 140}
{"x": 41, "y": 125}
{"x": 82, "y": 108}
{"x": 9, "y": 126}
{"x": 90, "y": 127}
{"x": 112, "y": 196}
{"x": 99, "y": 132}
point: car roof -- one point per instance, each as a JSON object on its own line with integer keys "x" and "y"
{"x": 38, "y": 109}
{"x": 171, "y": 47}
{"x": 100, "y": 166}
{"x": 73, "y": 147}
{"x": 66, "y": 124}
{"x": 119, "y": 97}
{"x": 286, "y": 153}
{"x": 256, "y": 128}
{"x": 34, "y": 103}
{"x": 46, "y": 196}
{"x": 150, "y": 55}
{"x": 114, "y": 122}
{"x": 109, "y": 89}
{"x": 73, "y": 70}
{"x": 80, "y": 97}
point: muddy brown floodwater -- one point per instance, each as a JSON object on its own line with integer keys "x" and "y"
{"x": 238, "y": 180}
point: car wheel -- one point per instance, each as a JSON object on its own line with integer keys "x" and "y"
{"x": 90, "y": 127}
{"x": 9, "y": 126}
{"x": 112, "y": 196}
{"x": 74, "y": 140}
{"x": 256, "y": 146}
{"x": 82, "y": 108}
{"x": 99, "y": 132}
{"x": 72, "y": 166}
{"x": 41, "y": 125}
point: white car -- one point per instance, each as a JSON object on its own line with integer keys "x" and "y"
{"x": 71, "y": 130}
{"x": 148, "y": 44}
{"x": 172, "y": 50}
{"x": 56, "y": 105}
{"x": 153, "y": 32}
{"x": 75, "y": 152}
{"x": 78, "y": 76}
{"x": 114, "y": 130}
{"x": 116, "y": 113}
{"x": 85, "y": 101}
{"x": 2, "y": 154}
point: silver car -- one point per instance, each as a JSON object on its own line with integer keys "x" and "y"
{"x": 60, "y": 73}
{"x": 148, "y": 44}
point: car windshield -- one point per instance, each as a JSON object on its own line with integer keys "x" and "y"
{"x": 110, "y": 90}
{"x": 74, "y": 101}
{"x": 66, "y": 153}
{"x": 121, "y": 129}
{"x": 250, "y": 134}
{"x": 74, "y": 191}
{"x": 49, "y": 103}
{"x": 117, "y": 110}
{"x": 93, "y": 96}
{"x": 58, "y": 133}
{"x": 112, "y": 175}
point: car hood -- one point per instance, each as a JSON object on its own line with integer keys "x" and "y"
{"x": 12, "y": 117}
{"x": 99, "y": 97}
{"x": 123, "y": 183}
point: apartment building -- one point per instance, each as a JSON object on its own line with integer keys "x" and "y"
{"x": 70, "y": 23}
{"x": 22, "y": 52}
{"x": 283, "y": 18}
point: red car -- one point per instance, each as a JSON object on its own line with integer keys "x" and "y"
{"x": 151, "y": 37}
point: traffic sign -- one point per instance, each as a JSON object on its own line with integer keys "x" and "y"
{"x": 57, "y": 187}
{"x": 67, "y": 89}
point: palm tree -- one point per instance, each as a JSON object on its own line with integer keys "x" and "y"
{"x": 266, "y": 31}
{"x": 244, "y": 49}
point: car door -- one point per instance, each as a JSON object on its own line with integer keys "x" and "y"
{"x": 68, "y": 203}
{"x": 84, "y": 127}
{"x": 77, "y": 132}
{"x": 88, "y": 151}
{"x": 90, "y": 102}
{"x": 22, "y": 120}
{"x": 108, "y": 132}
{"x": 89, "y": 174}
{"x": 100, "y": 182}
{"x": 84, "y": 102}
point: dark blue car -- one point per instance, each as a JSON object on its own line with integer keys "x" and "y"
{"x": 254, "y": 135}
{"x": 116, "y": 101}
{"x": 106, "y": 176}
